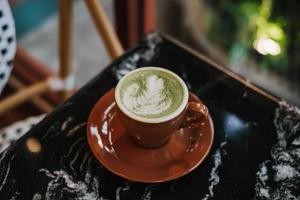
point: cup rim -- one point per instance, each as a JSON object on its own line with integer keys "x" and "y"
{"x": 171, "y": 116}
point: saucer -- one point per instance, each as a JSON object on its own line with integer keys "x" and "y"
{"x": 114, "y": 149}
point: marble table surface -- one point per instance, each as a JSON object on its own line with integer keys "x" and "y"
{"x": 255, "y": 154}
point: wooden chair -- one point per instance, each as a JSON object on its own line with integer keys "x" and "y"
{"x": 63, "y": 82}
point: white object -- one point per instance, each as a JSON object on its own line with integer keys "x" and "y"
{"x": 7, "y": 42}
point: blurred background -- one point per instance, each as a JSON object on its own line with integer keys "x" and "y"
{"x": 259, "y": 39}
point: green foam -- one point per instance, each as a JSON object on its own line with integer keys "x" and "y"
{"x": 173, "y": 91}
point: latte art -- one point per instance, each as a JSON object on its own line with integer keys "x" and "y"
{"x": 151, "y": 93}
{"x": 151, "y": 98}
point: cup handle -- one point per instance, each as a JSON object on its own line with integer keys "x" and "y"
{"x": 195, "y": 113}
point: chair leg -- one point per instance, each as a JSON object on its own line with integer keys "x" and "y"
{"x": 105, "y": 28}
{"x": 23, "y": 95}
{"x": 65, "y": 42}
{"x": 37, "y": 101}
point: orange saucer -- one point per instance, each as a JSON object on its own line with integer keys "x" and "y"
{"x": 114, "y": 149}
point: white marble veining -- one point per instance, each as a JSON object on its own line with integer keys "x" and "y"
{"x": 279, "y": 177}
{"x": 148, "y": 192}
{"x": 63, "y": 181}
{"x": 214, "y": 178}
{"x": 121, "y": 189}
{"x": 5, "y": 170}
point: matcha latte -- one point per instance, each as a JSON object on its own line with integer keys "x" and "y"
{"x": 151, "y": 94}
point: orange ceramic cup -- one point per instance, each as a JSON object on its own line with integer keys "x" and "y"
{"x": 155, "y": 133}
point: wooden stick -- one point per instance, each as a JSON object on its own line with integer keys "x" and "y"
{"x": 37, "y": 101}
{"x": 65, "y": 40}
{"x": 105, "y": 28}
{"x": 23, "y": 95}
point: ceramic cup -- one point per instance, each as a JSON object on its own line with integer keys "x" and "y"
{"x": 153, "y": 133}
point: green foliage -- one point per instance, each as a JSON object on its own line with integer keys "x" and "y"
{"x": 235, "y": 26}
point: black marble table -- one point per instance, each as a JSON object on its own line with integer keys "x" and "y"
{"x": 255, "y": 154}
